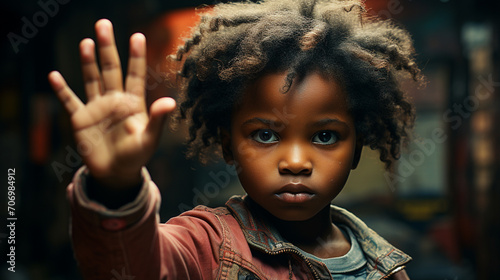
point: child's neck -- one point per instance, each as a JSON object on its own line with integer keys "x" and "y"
{"x": 317, "y": 236}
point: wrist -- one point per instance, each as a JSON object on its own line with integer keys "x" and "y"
{"x": 118, "y": 179}
{"x": 113, "y": 192}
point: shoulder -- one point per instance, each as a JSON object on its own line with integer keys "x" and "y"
{"x": 203, "y": 218}
{"x": 218, "y": 211}
{"x": 205, "y": 225}
{"x": 205, "y": 213}
{"x": 224, "y": 217}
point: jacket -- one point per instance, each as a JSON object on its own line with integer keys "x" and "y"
{"x": 231, "y": 242}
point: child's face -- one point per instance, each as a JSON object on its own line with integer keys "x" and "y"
{"x": 293, "y": 151}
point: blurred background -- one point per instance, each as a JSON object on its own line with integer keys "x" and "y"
{"x": 440, "y": 203}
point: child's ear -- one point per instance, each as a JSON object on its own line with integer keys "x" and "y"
{"x": 357, "y": 152}
{"x": 225, "y": 139}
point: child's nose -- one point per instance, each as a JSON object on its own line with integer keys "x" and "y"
{"x": 295, "y": 160}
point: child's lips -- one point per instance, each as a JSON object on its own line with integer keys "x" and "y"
{"x": 288, "y": 197}
{"x": 294, "y": 193}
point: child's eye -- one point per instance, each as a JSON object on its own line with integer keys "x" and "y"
{"x": 325, "y": 137}
{"x": 265, "y": 136}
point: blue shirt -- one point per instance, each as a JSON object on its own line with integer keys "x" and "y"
{"x": 351, "y": 266}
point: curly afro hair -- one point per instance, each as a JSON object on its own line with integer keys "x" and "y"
{"x": 235, "y": 43}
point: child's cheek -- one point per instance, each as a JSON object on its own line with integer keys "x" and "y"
{"x": 246, "y": 151}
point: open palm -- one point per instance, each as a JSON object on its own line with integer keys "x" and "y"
{"x": 114, "y": 133}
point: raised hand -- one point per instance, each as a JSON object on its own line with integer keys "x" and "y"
{"x": 114, "y": 133}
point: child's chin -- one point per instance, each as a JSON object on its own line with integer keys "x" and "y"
{"x": 293, "y": 216}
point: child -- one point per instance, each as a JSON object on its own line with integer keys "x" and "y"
{"x": 289, "y": 91}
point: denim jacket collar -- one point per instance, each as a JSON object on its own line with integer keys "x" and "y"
{"x": 383, "y": 258}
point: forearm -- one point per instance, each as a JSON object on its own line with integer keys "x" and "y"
{"x": 115, "y": 242}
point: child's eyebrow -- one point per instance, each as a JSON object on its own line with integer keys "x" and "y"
{"x": 320, "y": 123}
{"x": 259, "y": 120}
{"x": 328, "y": 121}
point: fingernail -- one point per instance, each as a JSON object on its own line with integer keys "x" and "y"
{"x": 139, "y": 39}
{"x": 105, "y": 26}
{"x": 54, "y": 74}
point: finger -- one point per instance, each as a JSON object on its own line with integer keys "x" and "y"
{"x": 110, "y": 61}
{"x": 159, "y": 109}
{"x": 136, "y": 75}
{"x": 91, "y": 75}
{"x": 67, "y": 97}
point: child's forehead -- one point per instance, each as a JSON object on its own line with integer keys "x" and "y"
{"x": 314, "y": 89}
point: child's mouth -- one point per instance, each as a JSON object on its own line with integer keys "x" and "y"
{"x": 289, "y": 197}
{"x": 294, "y": 193}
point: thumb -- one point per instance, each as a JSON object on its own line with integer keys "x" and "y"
{"x": 157, "y": 113}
